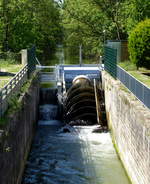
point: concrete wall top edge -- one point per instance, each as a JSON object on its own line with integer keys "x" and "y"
{"x": 136, "y": 106}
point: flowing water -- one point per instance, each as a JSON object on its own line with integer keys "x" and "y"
{"x": 78, "y": 157}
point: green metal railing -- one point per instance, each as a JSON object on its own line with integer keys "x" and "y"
{"x": 140, "y": 90}
{"x": 110, "y": 61}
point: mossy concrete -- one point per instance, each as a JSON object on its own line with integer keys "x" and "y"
{"x": 129, "y": 122}
{"x": 16, "y": 136}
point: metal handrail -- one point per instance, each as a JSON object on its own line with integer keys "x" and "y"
{"x": 138, "y": 88}
{"x": 133, "y": 77}
{"x": 12, "y": 87}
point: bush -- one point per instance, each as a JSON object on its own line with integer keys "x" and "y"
{"x": 139, "y": 44}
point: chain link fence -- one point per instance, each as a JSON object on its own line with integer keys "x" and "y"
{"x": 74, "y": 55}
{"x": 110, "y": 60}
{"x": 140, "y": 90}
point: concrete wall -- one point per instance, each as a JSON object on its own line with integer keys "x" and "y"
{"x": 129, "y": 122}
{"x": 16, "y": 138}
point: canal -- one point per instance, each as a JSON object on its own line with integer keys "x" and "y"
{"x": 76, "y": 157}
{"x": 79, "y": 157}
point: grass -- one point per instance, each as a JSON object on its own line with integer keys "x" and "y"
{"x": 14, "y": 104}
{"x": 141, "y": 74}
{"x": 8, "y": 66}
{"x": 141, "y": 77}
{"x": 4, "y": 80}
{"x": 128, "y": 66}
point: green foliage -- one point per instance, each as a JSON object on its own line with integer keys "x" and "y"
{"x": 139, "y": 44}
{"x": 24, "y": 23}
{"x": 87, "y": 22}
{"x": 135, "y": 11}
{"x": 25, "y": 87}
{"x": 10, "y": 65}
{"x": 3, "y": 121}
{"x": 14, "y": 104}
{"x": 4, "y": 80}
{"x": 92, "y": 22}
{"x": 27, "y": 84}
{"x": 80, "y": 26}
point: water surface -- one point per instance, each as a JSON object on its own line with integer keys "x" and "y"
{"x": 79, "y": 157}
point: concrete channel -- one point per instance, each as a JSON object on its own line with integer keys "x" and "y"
{"x": 79, "y": 151}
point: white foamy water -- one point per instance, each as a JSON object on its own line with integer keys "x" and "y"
{"x": 48, "y": 112}
{"x": 78, "y": 157}
{"x": 49, "y": 122}
{"x": 101, "y": 163}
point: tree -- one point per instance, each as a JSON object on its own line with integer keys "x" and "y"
{"x": 24, "y": 23}
{"x": 91, "y": 22}
{"x": 139, "y": 44}
{"x": 82, "y": 24}
{"x": 135, "y": 11}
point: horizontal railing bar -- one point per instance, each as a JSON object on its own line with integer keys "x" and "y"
{"x": 12, "y": 86}
{"x": 44, "y": 67}
{"x": 140, "y": 90}
{"x": 133, "y": 77}
{"x": 14, "y": 77}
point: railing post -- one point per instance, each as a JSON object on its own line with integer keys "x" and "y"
{"x": 31, "y": 59}
{"x": 1, "y": 104}
{"x": 24, "y": 57}
{"x": 100, "y": 60}
{"x": 80, "y": 55}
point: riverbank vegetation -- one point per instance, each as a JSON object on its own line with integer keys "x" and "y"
{"x": 72, "y": 22}
{"x": 24, "y": 24}
{"x": 27, "y": 23}
{"x": 139, "y": 44}
{"x": 139, "y": 49}
{"x": 15, "y": 102}
{"x": 92, "y": 22}
{"x": 8, "y": 68}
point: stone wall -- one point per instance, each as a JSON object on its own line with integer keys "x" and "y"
{"x": 16, "y": 138}
{"x": 129, "y": 122}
